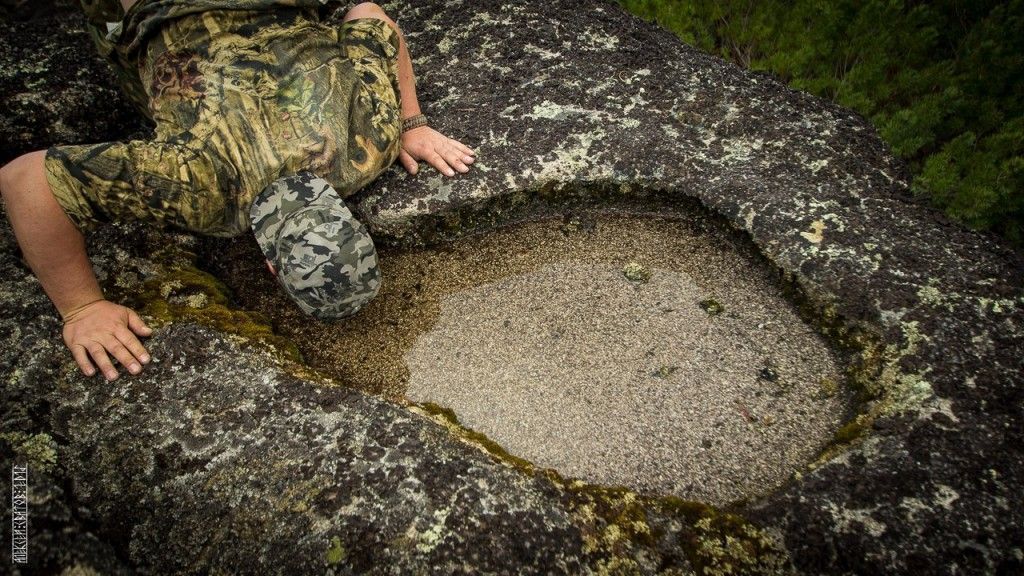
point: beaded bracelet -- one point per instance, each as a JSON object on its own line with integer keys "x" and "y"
{"x": 414, "y": 122}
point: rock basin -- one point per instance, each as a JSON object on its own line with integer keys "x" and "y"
{"x": 658, "y": 352}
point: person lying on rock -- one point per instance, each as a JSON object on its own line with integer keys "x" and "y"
{"x": 266, "y": 119}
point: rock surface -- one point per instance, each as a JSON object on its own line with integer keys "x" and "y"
{"x": 222, "y": 456}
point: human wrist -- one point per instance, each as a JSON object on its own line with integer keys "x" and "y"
{"x": 414, "y": 121}
{"x": 76, "y": 312}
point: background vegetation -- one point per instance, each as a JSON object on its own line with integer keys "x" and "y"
{"x": 942, "y": 81}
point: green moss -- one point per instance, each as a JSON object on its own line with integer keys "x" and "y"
{"x": 692, "y": 510}
{"x": 39, "y": 451}
{"x": 188, "y": 294}
{"x": 868, "y": 369}
{"x": 712, "y": 306}
{"x": 336, "y": 553}
{"x": 448, "y": 418}
{"x": 438, "y": 410}
{"x": 850, "y": 431}
{"x": 174, "y": 289}
{"x": 664, "y": 371}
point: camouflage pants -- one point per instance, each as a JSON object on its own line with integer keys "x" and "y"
{"x": 240, "y": 98}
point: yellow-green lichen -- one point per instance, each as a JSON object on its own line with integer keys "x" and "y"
{"x": 827, "y": 388}
{"x": 429, "y": 539}
{"x": 336, "y": 552}
{"x": 724, "y": 543}
{"x": 734, "y": 550}
{"x": 38, "y": 451}
{"x": 636, "y": 272}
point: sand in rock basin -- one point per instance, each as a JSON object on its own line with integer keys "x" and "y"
{"x": 708, "y": 390}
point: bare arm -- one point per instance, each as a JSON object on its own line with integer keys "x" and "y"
{"x": 445, "y": 154}
{"x": 55, "y": 250}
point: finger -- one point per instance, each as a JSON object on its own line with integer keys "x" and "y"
{"x": 82, "y": 358}
{"x": 462, "y": 147}
{"x": 133, "y": 345}
{"x": 123, "y": 355}
{"x": 411, "y": 166}
{"x": 453, "y": 157}
{"x": 438, "y": 162}
{"x": 137, "y": 325}
{"x": 99, "y": 357}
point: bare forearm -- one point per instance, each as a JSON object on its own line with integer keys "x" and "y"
{"x": 50, "y": 242}
{"x": 406, "y": 80}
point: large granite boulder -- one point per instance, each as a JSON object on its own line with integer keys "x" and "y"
{"x": 228, "y": 455}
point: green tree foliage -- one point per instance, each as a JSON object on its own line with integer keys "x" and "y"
{"x": 942, "y": 81}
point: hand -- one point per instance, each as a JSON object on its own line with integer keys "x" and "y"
{"x": 441, "y": 152}
{"x": 95, "y": 329}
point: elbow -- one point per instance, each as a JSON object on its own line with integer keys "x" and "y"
{"x": 18, "y": 177}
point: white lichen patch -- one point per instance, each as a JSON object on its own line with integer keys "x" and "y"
{"x": 913, "y": 507}
{"x": 509, "y": 111}
{"x": 740, "y": 149}
{"x": 635, "y": 100}
{"x": 816, "y": 234}
{"x": 168, "y": 288}
{"x": 597, "y": 40}
{"x": 945, "y": 496}
{"x": 542, "y": 53}
{"x": 432, "y": 536}
{"x": 549, "y": 110}
{"x": 910, "y": 391}
{"x": 445, "y": 45}
{"x": 998, "y": 305}
{"x": 932, "y": 296}
{"x": 748, "y": 219}
{"x": 856, "y": 519}
{"x": 816, "y": 165}
{"x": 199, "y": 300}
{"x": 571, "y": 157}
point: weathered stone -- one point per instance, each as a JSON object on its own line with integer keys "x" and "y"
{"x": 220, "y": 458}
